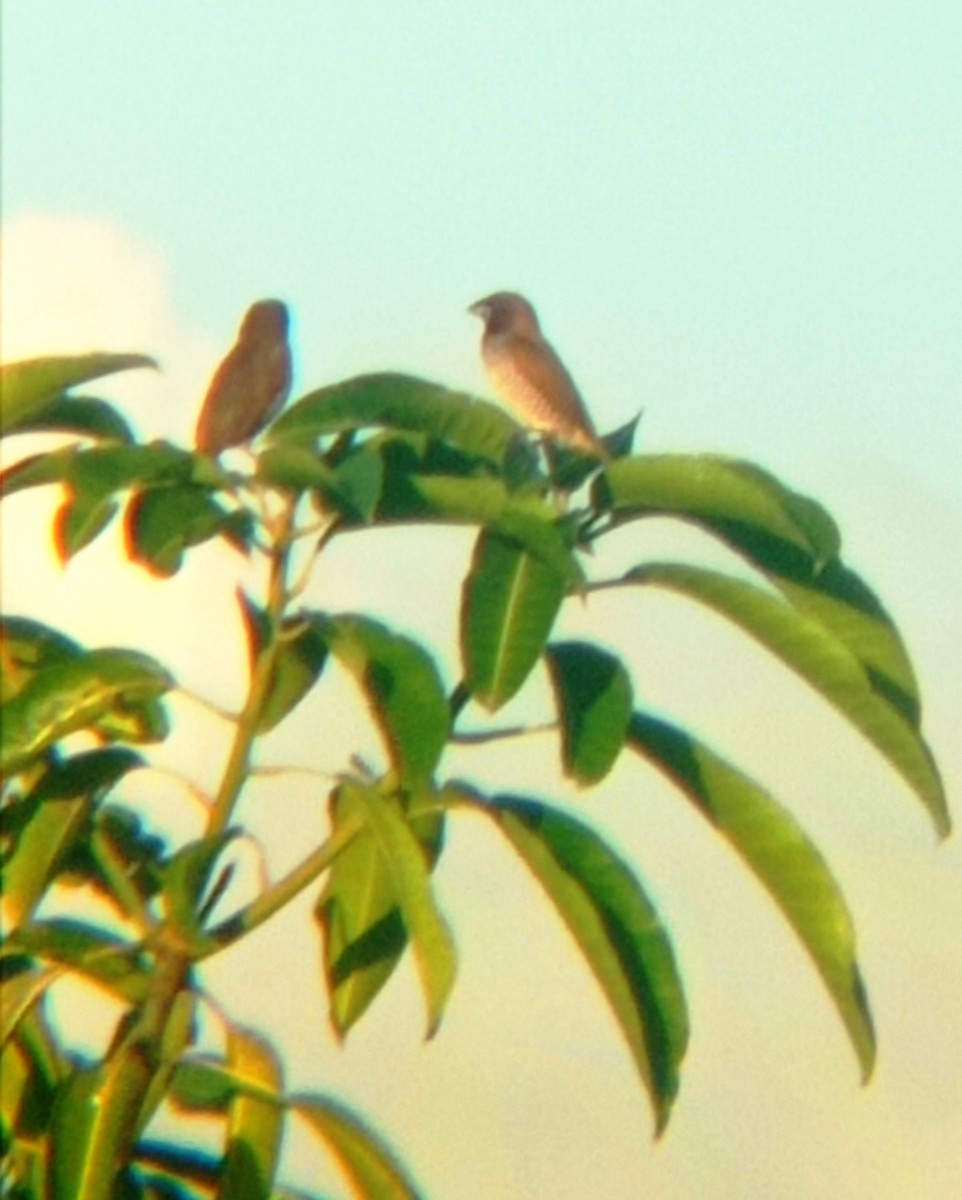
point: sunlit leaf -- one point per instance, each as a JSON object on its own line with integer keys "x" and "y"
{"x": 28, "y": 387}
{"x": 298, "y": 665}
{"x": 616, "y": 928}
{"x": 94, "y": 1123}
{"x": 358, "y": 910}
{"x": 100, "y": 957}
{"x": 400, "y": 402}
{"x": 398, "y": 867}
{"x": 510, "y": 600}
{"x": 822, "y": 660}
{"x": 254, "y": 1124}
{"x": 594, "y": 696}
{"x": 402, "y": 686}
{"x": 781, "y": 856}
{"x": 736, "y": 501}
{"x": 76, "y": 693}
{"x": 366, "y": 1160}
{"x": 83, "y": 415}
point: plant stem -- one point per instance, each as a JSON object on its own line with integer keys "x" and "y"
{"x": 235, "y": 773}
{"x": 294, "y": 882}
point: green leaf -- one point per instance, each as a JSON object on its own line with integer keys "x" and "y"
{"x": 27, "y": 387}
{"x": 185, "y": 881}
{"x": 824, "y": 662}
{"x": 363, "y": 931}
{"x": 163, "y": 522}
{"x": 98, "y": 471}
{"x": 396, "y": 401}
{"x": 353, "y": 488}
{"x": 594, "y": 696}
{"x": 782, "y": 857}
{"x": 78, "y": 693}
{"x": 617, "y": 930}
{"x": 736, "y": 501}
{"x": 298, "y": 665}
{"x": 399, "y": 869}
{"x": 202, "y": 1086}
{"x": 849, "y": 610}
{"x": 84, "y": 415}
{"x": 26, "y": 646}
{"x": 374, "y": 1172}
{"x": 510, "y": 600}
{"x": 81, "y": 518}
{"x": 526, "y": 519}
{"x": 85, "y": 949}
{"x": 18, "y": 994}
{"x": 93, "y": 1125}
{"x": 402, "y": 686}
{"x": 254, "y": 1124}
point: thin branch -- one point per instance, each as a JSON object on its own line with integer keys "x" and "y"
{"x": 478, "y": 737}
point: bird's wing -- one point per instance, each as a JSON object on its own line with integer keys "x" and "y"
{"x": 533, "y": 373}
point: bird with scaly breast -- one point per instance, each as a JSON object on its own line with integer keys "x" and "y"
{"x": 527, "y": 374}
{"x": 251, "y": 384}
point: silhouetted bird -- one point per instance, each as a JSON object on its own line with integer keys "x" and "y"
{"x": 252, "y": 382}
{"x": 529, "y": 376}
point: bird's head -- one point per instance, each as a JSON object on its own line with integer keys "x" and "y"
{"x": 265, "y": 319}
{"x": 504, "y": 311}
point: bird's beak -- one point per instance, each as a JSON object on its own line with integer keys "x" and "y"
{"x": 479, "y": 309}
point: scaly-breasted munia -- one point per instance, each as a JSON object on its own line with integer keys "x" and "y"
{"x": 528, "y": 375}
{"x": 252, "y": 382}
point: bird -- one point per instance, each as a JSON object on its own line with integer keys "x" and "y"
{"x": 251, "y": 383}
{"x": 527, "y": 374}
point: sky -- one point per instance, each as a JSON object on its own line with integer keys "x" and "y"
{"x": 743, "y": 219}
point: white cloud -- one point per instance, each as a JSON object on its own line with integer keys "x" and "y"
{"x": 73, "y": 284}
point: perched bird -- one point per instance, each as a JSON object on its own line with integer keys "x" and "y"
{"x": 252, "y": 382}
{"x": 529, "y": 376}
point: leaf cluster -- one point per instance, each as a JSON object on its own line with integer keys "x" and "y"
{"x": 381, "y": 450}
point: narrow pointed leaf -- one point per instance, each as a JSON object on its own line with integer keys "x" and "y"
{"x": 403, "y": 859}
{"x": 617, "y": 930}
{"x": 510, "y": 600}
{"x": 18, "y": 994}
{"x": 28, "y": 386}
{"x": 254, "y": 1125}
{"x": 370, "y": 1166}
{"x": 397, "y": 401}
{"x": 824, "y": 662}
{"x": 782, "y": 857}
{"x": 162, "y": 523}
{"x": 594, "y": 696}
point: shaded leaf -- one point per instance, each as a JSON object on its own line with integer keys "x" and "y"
{"x": 28, "y": 386}
{"x": 781, "y": 856}
{"x": 594, "y": 697}
{"x": 814, "y": 653}
{"x": 616, "y": 928}
{"x": 163, "y": 522}
{"x": 83, "y": 948}
{"x": 185, "y": 881}
{"x": 298, "y": 665}
{"x": 509, "y": 603}
{"x": 366, "y": 1160}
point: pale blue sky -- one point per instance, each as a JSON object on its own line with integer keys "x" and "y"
{"x": 742, "y": 216}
